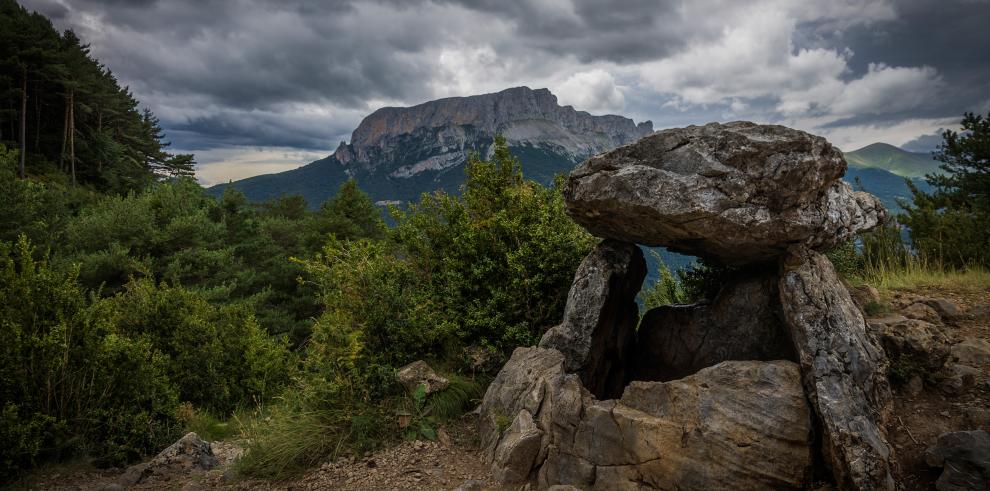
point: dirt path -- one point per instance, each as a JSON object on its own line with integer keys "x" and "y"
{"x": 411, "y": 465}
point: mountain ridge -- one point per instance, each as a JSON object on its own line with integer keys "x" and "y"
{"x": 892, "y": 159}
{"x": 397, "y": 153}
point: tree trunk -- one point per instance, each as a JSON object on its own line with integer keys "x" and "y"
{"x": 72, "y": 134}
{"x": 24, "y": 99}
{"x": 65, "y": 136}
{"x": 99, "y": 136}
{"x": 37, "y": 121}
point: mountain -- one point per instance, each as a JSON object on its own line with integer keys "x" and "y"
{"x": 893, "y": 159}
{"x": 883, "y": 184}
{"x": 398, "y": 153}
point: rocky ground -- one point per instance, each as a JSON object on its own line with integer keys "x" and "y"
{"x": 452, "y": 462}
{"x": 944, "y": 402}
{"x": 953, "y": 394}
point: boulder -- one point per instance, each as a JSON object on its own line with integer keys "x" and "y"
{"x": 737, "y": 193}
{"x": 921, "y": 342}
{"x": 865, "y": 295}
{"x": 190, "y": 454}
{"x": 972, "y": 351}
{"x": 739, "y": 425}
{"x": 600, "y": 317}
{"x": 743, "y": 322}
{"x": 736, "y": 425}
{"x": 522, "y": 384}
{"x": 921, "y": 311}
{"x": 419, "y": 373}
{"x": 844, "y": 370}
{"x": 944, "y": 307}
{"x": 965, "y": 458}
{"x": 515, "y": 455}
{"x": 955, "y": 378}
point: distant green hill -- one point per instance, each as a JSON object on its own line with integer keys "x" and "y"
{"x": 892, "y": 159}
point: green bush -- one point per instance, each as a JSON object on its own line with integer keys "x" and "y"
{"x": 71, "y": 382}
{"x": 217, "y": 357}
{"x": 666, "y": 290}
{"x": 490, "y": 268}
{"x": 497, "y": 261}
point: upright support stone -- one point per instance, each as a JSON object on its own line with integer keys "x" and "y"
{"x": 843, "y": 369}
{"x": 600, "y": 317}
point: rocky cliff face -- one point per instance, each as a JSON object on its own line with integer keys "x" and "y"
{"x": 405, "y": 141}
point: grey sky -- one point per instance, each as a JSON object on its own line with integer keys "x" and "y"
{"x": 257, "y": 86}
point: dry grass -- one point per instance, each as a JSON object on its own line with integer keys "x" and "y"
{"x": 916, "y": 274}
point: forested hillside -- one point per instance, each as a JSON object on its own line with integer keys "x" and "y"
{"x": 67, "y": 114}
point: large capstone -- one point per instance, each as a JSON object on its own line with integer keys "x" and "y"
{"x": 600, "y": 317}
{"x": 743, "y": 322}
{"x": 737, "y": 193}
{"x": 844, "y": 370}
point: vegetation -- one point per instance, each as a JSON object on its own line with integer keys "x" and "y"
{"x": 490, "y": 268}
{"x": 67, "y": 115}
{"x": 951, "y": 225}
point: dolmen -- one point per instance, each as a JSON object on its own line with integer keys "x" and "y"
{"x": 772, "y": 384}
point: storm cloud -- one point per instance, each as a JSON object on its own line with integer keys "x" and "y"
{"x": 295, "y": 77}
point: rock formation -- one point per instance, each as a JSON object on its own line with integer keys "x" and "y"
{"x": 743, "y": 322}
{"x": 439, "y": 134}
{"x": 964, "y": 457}
{"x": 775, "y": 379}
{"x": 600, "y": 317}
{"x": 737, "y": 193}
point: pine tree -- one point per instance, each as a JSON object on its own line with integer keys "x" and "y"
{"x": 952, "y": 224}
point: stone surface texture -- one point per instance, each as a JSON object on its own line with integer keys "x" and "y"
{"x": 446, "y": 129}
{"x": 964, "y": 457}
{"x": 600, "y": 317}
{"x": 739, "y": 425}
{"x": 736, "y": 192}
{"x": 190, "y": 454}
{"x": 419, "y": 373}
{"x": 743, "y": 322}
{"x": 844, "y": 370}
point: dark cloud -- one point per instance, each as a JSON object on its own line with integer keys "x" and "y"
{"x": 924, "y": 143}
{"x": 949, "y": 35}
{"x": 301, "y": 74}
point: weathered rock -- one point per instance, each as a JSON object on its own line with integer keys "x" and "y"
{"x": 972, "y": 351}
{"x": 957, "y": 378}
{"x": 190, "y": 454}
{"x": 419, "y": 373}
{"x": 965, "y": 458}
{"x": 945, "y": 308}
{"x": 522, "y": 384}
{"x": 600, "y": 317}
{"x": 743, "y": 322}
{"x": 865, "y": 295}
{"x": 739, "y": 425}
{"x": 517, "y": 450}
{"x": 471, "y": 485}
{"x": 844, "y": 370}
{"x": 923, "y": 343}
{"x": 738, "y": 193}
{"x": 915, "y": 386}
{"x": 922, "y": 312}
